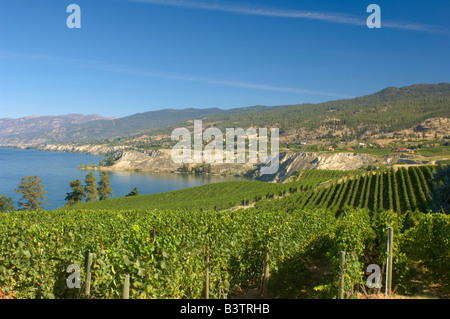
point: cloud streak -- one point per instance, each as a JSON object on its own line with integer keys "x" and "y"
{"x": 246, "y": 85}
{"x": 126, "y": 69}
{"x": 293, "y": 14}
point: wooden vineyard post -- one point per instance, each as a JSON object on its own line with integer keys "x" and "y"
{"x": 207, "y": 275}
{"x": 341, "y": 280}
{"x": 389, "y": 263}
{"x": 266, "y": 273}
{"x": 87, "y": 288}
{"x": 126, "y": 287}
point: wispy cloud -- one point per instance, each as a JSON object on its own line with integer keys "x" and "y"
{"x": 247, "y": 85}
{"x": 258, "y": 11}
{"x": 247, "y": 9}
{"x": 408, "y": 26}
{"x": 126, "y": 69}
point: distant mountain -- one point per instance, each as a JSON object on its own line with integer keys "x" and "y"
{"x": 27, "y": 133}
{"x": 388, "y": 110}
{"x": 38, "y": 124}
{"x": 60, "y": 129}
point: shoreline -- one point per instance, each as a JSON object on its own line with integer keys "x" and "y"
{"x": 129, "y": 160}
{"x": 87, "y": 150}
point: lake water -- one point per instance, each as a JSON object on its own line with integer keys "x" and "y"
{"x": 56, "y": 170}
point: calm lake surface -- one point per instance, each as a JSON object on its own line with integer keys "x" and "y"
{"x": 56, "y": 170}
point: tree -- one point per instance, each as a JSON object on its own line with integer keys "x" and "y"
{"x": 134, "y": 192}
{"x": 6, "y": 204}
{"x": 33, "y": 193}
{"x": 108, "y": 161}
{"x": 103, "y": 186}
{"x": 77, "y": 193}
{"x": 185, "y": 168}
{"x": 90, "y": 187}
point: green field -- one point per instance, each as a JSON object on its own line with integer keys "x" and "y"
{"x": 434, "y": 151}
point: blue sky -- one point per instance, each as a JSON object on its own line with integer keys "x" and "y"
{"x": 142, "y": 55}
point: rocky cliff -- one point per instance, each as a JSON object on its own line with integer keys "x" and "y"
{"x": 99, "y": 150}
{"x": 160, "y": 161}
{"x": 291, "y": 162}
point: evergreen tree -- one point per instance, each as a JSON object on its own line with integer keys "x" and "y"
{"x": 103, "y": 186}
{"x": 134, "y": 192}
{"x": 77, "y": 193}
{"x": 90, "y": 188}
{"x": 6, "y": 204}
{"x": 33, "y": 193}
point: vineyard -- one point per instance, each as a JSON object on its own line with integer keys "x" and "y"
{"x": 402, "y": 190}
{"x": 164, "y": 251}
{"x": 212, "y": 196}
{"x": 305, "y": 224}
{"x": 219, "y": 196}
{"x": 398, "y": 190}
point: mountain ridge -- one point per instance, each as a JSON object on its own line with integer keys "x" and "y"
{"x": 387, "y": 110}
{"x": 41, "y": 123}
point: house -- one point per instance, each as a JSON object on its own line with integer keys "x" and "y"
{"x": 405, "y": 150}
{"x": 349, "y": 149}
{"x": 361, "y": 144}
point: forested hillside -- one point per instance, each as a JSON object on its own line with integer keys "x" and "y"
{"x": 389, "y": 110}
